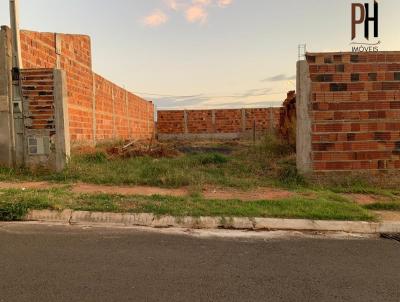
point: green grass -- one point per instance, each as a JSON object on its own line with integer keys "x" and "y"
{"x": 268, "y": 163}
{"x": 384, "y": 206}
{"x": 14, "y": 204}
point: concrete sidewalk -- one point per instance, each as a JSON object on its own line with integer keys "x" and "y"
{"x": 234, "y": 223}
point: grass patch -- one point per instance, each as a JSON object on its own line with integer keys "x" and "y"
{"x": 10, "y": 211}
{"x": 268, "y": 163}
{"x": 326, "y": 206}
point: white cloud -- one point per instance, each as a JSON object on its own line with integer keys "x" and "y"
{"x": 202, "y": 2}
{"x": 174, "y": 4}
{"x": 155, "y": 19}
{"x": 196, "y": 13}
{"x": 224, "y": 3}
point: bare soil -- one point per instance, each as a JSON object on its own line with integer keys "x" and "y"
{"x": 209, "y": 193}
{"x": 28, "y": 185}
{"x": 388, "y": 215}
{"x": 257, "y": 194}
{"x": 365, "y": 199}
{"x": 136, "y": 190}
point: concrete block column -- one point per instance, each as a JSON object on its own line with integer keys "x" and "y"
{"x": 62, "y": 143}
{"x": 244, "y": 122}
{"x": 7, "y": 140}
{"x": 303, "y": 139}
{"x": 128, "y": 118}
{"x": 113, "y": 114}
{"x": 271, "y": 120}
{"x": 214, "y": 120}
{"x": 185, "y": 122}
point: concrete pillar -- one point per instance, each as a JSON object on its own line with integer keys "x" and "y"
{"x": 303, "y": 104}
{"x": 113, "y": 113}
{"x": 62, "y": 142}
{"x": 271, "y": 120}
{"x": 213, "y": 118}
{"x": 57, "y": 38}
{"x": 244, "y": 122}
{"x": 18, "y": 114}
{"x": 127, "y": 115}
{"x": 94, "y": 122}
{"x": 7, "y": 140}
{"x": 185, "y": 122}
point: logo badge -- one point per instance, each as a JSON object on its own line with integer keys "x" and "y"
{"x": 365, "y": 17}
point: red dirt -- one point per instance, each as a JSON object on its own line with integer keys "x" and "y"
{"x": 209, "y": 193}
{"x": 364, "y": 199}
{"x": 136, "y": 190}
{"x": 257, "y": 194}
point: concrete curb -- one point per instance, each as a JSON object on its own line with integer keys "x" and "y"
{"x": 150, "y": 220}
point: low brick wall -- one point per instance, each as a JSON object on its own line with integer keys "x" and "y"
{"x": 354, "y": 108}
{"x": 216, "y": 124}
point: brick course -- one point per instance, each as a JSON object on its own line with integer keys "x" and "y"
{"x": 355, "y": 111}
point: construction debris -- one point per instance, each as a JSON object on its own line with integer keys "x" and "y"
{"x": 143, "y": 148}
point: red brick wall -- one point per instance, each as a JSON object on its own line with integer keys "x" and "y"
{"x": 170, "y": 122}
{"x": 355, "y": 111}
{"x": 38, "y": 90}
{"x": 221, "y": 121}
{"x": 39, "y": 119}
{"x": 133, "y": 115}
{"x": 288, "y": 119}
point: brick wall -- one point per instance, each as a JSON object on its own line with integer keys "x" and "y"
{"x": 218, "y": 123}
{"x": 355, "y": 111}
{"x": 288, "y": 119}
{"x": 47, "y": 143}
{"x": 98, "y": 109}
{"x": 37, "y": 89}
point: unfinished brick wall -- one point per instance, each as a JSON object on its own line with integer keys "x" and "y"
{"x": 37, "y": 89}
{"x": 355, "y": 111}
{"x": 218, "y": 123}
{"x": 45, "y": 126}
{"x": 287, "y": 122}
{"x": 98, "y": 109}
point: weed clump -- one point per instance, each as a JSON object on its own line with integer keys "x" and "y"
{"x": 95, "y": 158}
{"x": 273, "y": 158}
{"x": 212, "y": 158}
{"x": 12, "y": 211}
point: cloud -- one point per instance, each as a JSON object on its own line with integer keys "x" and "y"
{"x": 258, "y": 97}
{"x": 174, "y": 4}
{"x": 224, "y": 3}
{"x": 155, "y": 19}
{"x": 196, "y": 13}
{"x": 279, "y": 78}
{"x": 254, "y": 92}
{"x": 202, "y": 2}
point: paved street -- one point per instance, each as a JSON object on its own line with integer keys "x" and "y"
{"x": 58, "y": 263}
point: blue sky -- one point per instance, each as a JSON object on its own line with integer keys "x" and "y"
{"x": 204, "y": 53}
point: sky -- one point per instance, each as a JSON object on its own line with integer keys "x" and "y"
{"x": 204, "y": 53}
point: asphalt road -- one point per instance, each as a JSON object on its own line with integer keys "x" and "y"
{"x": 43, "y": 263}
